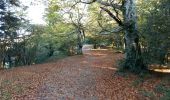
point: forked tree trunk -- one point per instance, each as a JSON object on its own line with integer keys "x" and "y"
{"x": 133, "y": 59}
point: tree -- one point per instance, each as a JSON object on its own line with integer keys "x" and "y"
{"x": 99, "y": 28}
{"x": 128, "y": 22}
{"x": 79, "y": 29}
{"x": 10, "y": 24}
{"x": 57, "y": 15}
{"x": 154, "y": 24}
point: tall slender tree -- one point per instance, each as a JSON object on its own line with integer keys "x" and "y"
{"x": 9, "y": 25}
{"x": 77, "y": 23}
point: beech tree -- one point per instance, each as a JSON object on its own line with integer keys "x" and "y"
{"x": 79, "y": 29}
{"x": 71, "y": 15}
{"x": 128, "y": 23}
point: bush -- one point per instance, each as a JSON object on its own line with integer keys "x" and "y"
{"x": 125, "y": 65}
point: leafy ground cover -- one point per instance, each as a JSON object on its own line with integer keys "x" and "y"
{"x": 92, "y": 76}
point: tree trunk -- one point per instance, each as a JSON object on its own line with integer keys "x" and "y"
{"x": 1, "y": 60}
{"x": 2, "y": 54}
{"x": 1, "y": 64}
{"x": 79, "y": 51}
{"x": 80, "y": 45}
{"x": 133, "y": 59}
{"x": 80, "y": 42}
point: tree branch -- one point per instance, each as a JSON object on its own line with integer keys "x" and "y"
{"x": 105, "y": 3}
{"x": 90, "y": 2}
{"x": 113, "y": 16}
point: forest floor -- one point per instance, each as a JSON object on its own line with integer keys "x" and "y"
{"x": 92, "y": 76}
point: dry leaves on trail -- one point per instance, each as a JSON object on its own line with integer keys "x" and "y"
{"x": 91, "y": 76}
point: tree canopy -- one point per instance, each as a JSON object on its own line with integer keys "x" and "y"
{"x": 137, "y": 28}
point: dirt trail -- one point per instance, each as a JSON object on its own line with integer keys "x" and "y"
{"x": 91, "y": 76}
{"x": 88, "y": 77}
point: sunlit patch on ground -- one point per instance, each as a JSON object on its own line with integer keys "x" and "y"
{"x": 84, "y": 62}
{"x": 99, "y": 49}
{"x": 95, "y": 54}
{"x": 110, "y": 68}
{"x": 160, "y": 68}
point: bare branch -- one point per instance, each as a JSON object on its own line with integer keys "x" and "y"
{"x": 113, "y": 5}
{"x": 115, "y": 30}
{"x": 90, "y": 2}
{"x": 113, "y": 16}
{"x": 71, "y": 17}
{"x": 117, "y": 13}
{"x": 100, "y": 25}
{"x": 105, "y": 3}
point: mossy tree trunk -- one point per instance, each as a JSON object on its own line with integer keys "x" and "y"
{"x": 133, "y": 57}
{"x": 80, "y": 38}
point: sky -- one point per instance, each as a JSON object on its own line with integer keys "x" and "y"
{"x": 35, "y": 12}
{"x": 36, "y": 9}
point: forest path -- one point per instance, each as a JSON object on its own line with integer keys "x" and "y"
{"x": 87, "y": 77}
{"x": 91, "y": 76}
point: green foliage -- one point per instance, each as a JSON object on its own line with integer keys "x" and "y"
{"x": 154, "y": 26}
{"x": 56, "y": 40}
{"x": 166, "y": 95}
{"x": 121, "y": 64}
{"x": 137, "y": 82}
{"x": 99, "y": 40}
{"x": 51, "y": 15}
{"x": 60, "y": 36}
{"x": 161, "y": 88}
{"x": 52, "y": 41}
{"x": 132, "y": 65}
{"x": 11, "y": 23}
